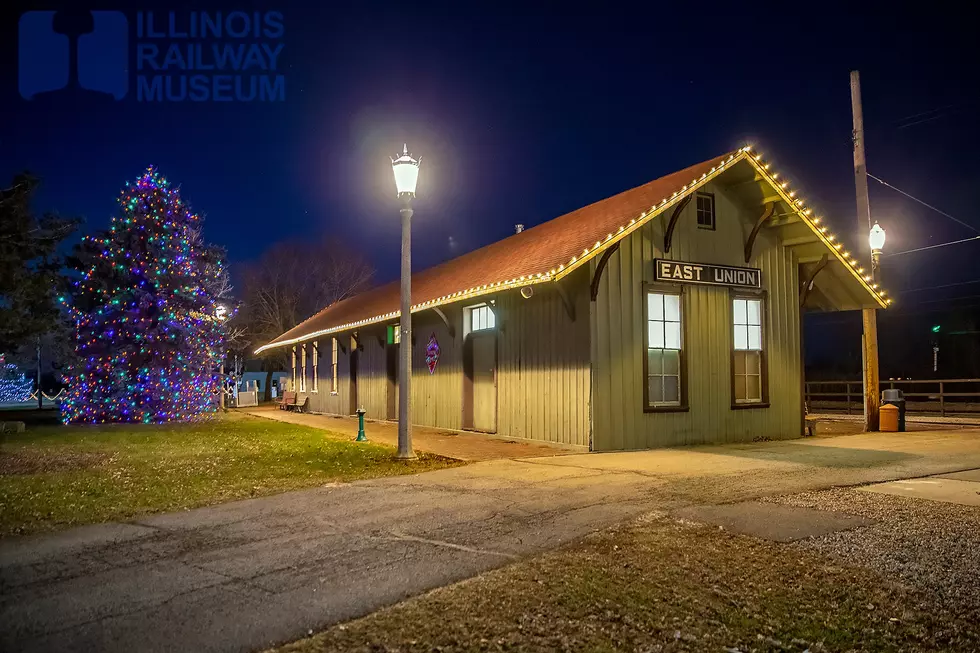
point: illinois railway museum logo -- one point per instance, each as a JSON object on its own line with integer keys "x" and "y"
{"x": 172, "y": 56}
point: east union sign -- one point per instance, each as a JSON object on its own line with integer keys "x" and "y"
{"x": 713, "y": 275}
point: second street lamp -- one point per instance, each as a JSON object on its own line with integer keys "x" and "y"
{"x": 406, "y": 171}
{"x": 877, "y": 241}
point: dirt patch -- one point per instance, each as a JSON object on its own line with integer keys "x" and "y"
{"x": 22, "y": 463}
{"x": 660, "y": 585}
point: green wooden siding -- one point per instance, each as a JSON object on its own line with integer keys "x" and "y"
{"x": 372, "y": 382}
{"x": 543, "y": 364}
{"x": 618, "y": 325}
{"x": 542, "y": 368}
{"x": 437, "y": 398}
{"x": 325, "y": 401}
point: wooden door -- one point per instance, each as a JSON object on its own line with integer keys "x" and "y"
{"x": 352, "y": 374}
{"x": 484, "y": 366}
{"x": 391, "y": 351}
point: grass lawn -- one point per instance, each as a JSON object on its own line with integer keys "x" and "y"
{"x": 54, "y": 476}
{"x": 662, "y": 585}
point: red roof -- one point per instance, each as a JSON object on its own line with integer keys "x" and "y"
{"x": 534, "y": 251}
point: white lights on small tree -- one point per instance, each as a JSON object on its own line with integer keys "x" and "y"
{"x": 221, "y": 312}
{"x": 406, "y": 171}
{"x": 877, "y": 238}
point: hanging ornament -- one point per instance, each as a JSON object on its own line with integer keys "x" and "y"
{"x": 432, "y": 353}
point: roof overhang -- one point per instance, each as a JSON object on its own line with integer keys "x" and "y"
{"x": 842, "y": 285}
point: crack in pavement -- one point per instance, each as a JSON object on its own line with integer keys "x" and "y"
{"x": 403, "y": 537}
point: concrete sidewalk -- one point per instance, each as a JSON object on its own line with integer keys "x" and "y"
{"x": 461, "y": 445}
{"x": 250, "y": 574}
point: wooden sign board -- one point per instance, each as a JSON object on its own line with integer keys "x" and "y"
{"x": 705, "y": 273}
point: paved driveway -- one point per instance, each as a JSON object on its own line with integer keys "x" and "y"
{"x": 249, "y": 574}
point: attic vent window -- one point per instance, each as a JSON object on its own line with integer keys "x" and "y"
{"x": 482, "y": 318}
{"x": 706, "y": 211}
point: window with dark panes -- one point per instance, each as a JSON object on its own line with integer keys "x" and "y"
{"x": 706, "y": 210}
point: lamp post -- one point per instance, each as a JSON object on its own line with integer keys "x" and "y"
{"x": 221, "y": 314}
{"x": 876, "y": 238}
{"x": 406, "y": 171}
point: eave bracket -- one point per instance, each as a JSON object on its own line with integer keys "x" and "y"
{"x": 766, "y": 214}
{"x": 808, "y": 282}
{"x": 669, "y": 234}
{"x": 569, "y": 306}
{"x": 600, "y": 266}
{"x": 449, "y": 327}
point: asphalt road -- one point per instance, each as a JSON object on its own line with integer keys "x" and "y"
{"x": 250, "y": 574}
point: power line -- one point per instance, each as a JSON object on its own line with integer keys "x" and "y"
{"x": 946, "y": 285}
{"x": 946, "y": 299}
{"x": 929, "y": 206}
{"x": 927, "y": 116}
{"x": 919, "y": 249}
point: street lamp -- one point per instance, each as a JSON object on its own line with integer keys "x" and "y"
{"x": 406, "y": 171}
{"x": 877, "y": 240}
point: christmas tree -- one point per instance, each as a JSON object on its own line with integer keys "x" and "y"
{"x": 14, "y": 386}
{"x": 148, "y": 334}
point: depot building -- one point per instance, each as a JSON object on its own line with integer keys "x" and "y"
{"x": 668, "y": 314}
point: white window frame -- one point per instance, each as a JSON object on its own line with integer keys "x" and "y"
{"x": 302, "y": 377}
{"x": 481, "y": 318}
{"x": 314, "y": 382}
{"x": 663, "y": 327}
{"x": 333, "y": 366}
{"x": 748, "y": 349}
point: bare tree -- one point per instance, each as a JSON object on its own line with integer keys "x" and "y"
{"x": 291, "y": 282}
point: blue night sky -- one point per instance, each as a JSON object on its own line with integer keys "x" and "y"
{"x": 520, "y": 116}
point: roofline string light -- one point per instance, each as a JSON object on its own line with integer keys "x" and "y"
{"x": 797, "y": 204}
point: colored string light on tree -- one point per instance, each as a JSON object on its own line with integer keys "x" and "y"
{"x": 15, "y": 387}
{"x": 147, "y": 339}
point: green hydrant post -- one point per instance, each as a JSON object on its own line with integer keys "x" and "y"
{"x": 360, "y": 426}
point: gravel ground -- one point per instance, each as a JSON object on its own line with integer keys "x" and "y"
{"x": 929, "y": 545}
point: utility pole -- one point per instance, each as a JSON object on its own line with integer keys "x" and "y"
{"x": 869, "y": 349}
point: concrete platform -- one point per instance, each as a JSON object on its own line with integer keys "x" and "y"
{"x": 938, "y": 488}
{"x": 772, "y": 521}
{"x": 969, "y": 475}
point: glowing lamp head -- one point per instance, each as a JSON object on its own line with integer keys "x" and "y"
{"x": 406, "y": 170}
{"x": 876, "y": 238}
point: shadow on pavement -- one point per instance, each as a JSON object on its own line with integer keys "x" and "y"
{"x": 819, "y": 456}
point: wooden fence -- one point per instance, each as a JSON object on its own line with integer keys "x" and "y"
{"x": 925, "y": 396}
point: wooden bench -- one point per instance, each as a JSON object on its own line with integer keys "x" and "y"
{"x": 810, "y": 425}
{"x": 293, "y": 400}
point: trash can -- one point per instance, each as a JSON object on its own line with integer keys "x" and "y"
{"x": 895, "y": 397}
{"x": 888, "y": 418}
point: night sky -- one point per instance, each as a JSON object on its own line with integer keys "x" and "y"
{"x": 521, "y": 116}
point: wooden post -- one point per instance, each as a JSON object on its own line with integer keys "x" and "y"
{"x": 40, "y": 396}
{"x": 869, "y": 349}
{"x": 942, "y": 401}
